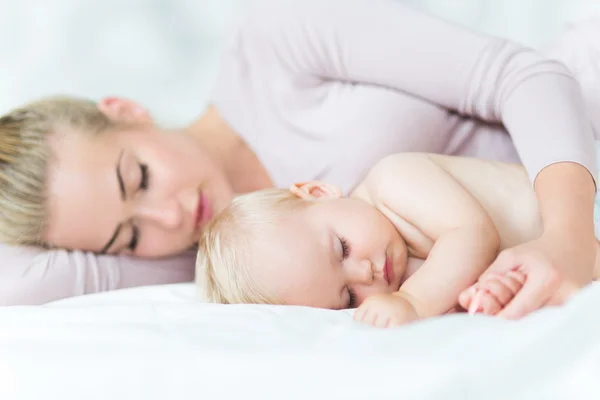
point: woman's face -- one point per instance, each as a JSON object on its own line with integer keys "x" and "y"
{"x": 137, "y": 191}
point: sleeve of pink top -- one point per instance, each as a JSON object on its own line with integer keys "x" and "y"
{"x": 384, "y": 42}
{"x": 30, "y": 276}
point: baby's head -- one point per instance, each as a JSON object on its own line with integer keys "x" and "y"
{"x": 307, "y": 246}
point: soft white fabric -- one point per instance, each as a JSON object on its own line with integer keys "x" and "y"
{"x": 158, "y": 343}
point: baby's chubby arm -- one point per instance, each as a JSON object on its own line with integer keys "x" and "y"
{"x": 434, "y": 207}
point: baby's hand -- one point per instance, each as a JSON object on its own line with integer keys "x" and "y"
{"x": 492, "y": 293}
{"x": 386, "y": 311}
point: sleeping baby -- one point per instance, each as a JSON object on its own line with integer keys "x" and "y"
{"x": 410, "y": 242}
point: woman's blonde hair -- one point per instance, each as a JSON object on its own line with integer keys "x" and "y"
{"x": 225, "y": 251}
{"x": 24, "y": 158}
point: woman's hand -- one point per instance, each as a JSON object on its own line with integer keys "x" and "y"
{"x": 563, "y": 257}
{"x": 536, "y": 274}
{"x": 492, "y": 293}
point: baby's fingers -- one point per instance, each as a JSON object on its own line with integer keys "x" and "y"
{"x": 500, "y": 289}
{"x": 381, "y": 321}
{"x": 360, "y": 313}
{"x": 466, "y": 296}
{"x": 490, "y": 304}
{"x": 365, "y": 315}
{"x": 514, "y": 280}
{"x": 485, "y": 303}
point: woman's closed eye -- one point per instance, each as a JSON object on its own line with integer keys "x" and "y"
{"x": 135, "y": 231}
{"x": 135, "y": 235}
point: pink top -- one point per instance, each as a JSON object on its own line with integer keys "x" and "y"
{"x": 325, "y": 88}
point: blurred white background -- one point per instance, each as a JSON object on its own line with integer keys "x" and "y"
{"x": 164, "y": 53}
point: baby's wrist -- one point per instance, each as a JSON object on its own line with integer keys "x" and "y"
{"x": 411, "y": 300}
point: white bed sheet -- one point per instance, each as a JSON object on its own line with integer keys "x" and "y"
{"x": 158, "y": 343}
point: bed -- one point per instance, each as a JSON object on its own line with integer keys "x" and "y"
{"x": 160, "y": 343}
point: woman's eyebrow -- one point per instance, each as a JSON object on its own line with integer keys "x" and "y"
{"x": 120, "y": 177}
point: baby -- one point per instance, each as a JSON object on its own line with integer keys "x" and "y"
{"x": 408, "y": 244}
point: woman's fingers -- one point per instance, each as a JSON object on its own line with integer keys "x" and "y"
{"x": 494, "y": 291}
{"x": 541, "y": 284}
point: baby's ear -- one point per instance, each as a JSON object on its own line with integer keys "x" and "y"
{"x": 316, "y": 190}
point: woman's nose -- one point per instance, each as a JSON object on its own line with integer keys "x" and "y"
{"x": 167, "y": 213}
{"x": 361, "y": 271}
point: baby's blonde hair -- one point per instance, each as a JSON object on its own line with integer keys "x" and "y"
{"x": 223, "y": 273}
{"x": 24, "y": 158}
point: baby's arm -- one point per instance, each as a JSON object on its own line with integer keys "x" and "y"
{"x": 414, "y": 189}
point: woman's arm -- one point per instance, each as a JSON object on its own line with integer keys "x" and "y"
{"x": 539, "y": 102}
{"x": 569, "y": 217}
{"x": 386, "y": 43}
{"x": 30, "y": 276}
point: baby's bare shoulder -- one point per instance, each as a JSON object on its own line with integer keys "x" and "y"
{"x": 426, "y": 168}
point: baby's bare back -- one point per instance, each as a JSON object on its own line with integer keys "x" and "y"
{"x": 504, "y": 190}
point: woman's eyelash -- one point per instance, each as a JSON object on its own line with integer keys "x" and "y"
{"x": 345, "y": 248}
{"x": 352, "y": 296}
{"x": 135, "y": 234}
{"x": 144, "y": 176}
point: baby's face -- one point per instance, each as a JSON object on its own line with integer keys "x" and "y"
{"x": 331, "y": 255}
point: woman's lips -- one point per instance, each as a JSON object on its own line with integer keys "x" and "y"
{"x": 388, "y": 271}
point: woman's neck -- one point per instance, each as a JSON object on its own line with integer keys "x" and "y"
{"x": 241, "y": 165}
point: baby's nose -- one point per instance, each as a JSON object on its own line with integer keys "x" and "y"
{"x": 362, "y": 272}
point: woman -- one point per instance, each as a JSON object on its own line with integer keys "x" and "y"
{"x": 308, "y": 90}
